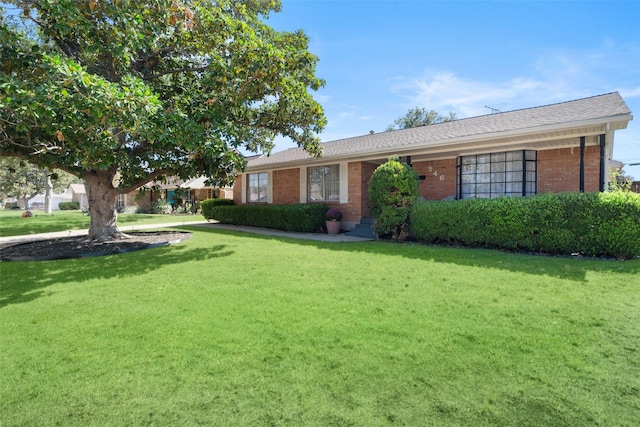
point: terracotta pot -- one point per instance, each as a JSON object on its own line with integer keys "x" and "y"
{"x": 333, "y": 227}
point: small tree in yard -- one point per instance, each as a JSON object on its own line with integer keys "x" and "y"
{"x": 122, "y": 93}
{"x": 24, "y": 181}
{"x": 393, "y": 189}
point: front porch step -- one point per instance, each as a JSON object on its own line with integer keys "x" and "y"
{"x": 363, "y": 229}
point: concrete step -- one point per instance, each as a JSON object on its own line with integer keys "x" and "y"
{"x": 363, "y": 229}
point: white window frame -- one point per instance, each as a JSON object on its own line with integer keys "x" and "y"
{"x": 264, "y": 180}
{"x": 326, "y": 185}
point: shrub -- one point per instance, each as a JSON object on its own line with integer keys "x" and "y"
{"x": 160, "y": 207}
{"x": 207, "y": 205}
{"x": 591, "y": 224}
{"x": 393, "y": 189}
{"x": 69, "y": 206}
{"x": 129, "y": 209}
{"x": 306, "y": 218}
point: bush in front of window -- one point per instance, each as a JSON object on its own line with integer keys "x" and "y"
{"x": 588, "y": 224}
{"x": 69, "y": 206}
{"x": 305, "y": 218}
{"x": 393, "y": 189}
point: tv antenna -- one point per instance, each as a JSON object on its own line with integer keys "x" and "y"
{"x": 493, "y": 110}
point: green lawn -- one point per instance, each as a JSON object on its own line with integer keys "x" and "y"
{"x": 12, "y": 224}
{"x": 235, "y": 329}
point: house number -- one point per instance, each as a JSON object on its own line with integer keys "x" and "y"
{"x": 434, "y": 172}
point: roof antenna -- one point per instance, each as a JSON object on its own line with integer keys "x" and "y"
{"x": 493, "y": 110}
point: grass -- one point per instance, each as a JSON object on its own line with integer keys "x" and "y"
{"x": 12, "y": 224}
{"x": 237, "y": 329}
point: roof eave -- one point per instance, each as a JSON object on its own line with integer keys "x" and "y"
{"x": 620, "y": 120}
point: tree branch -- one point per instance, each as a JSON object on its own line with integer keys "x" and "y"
{"x": 142, "y": 181}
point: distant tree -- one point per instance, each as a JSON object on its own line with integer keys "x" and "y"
{"x": 416, "y": 117}
{"x": 618, "y": 181}
{"x": 142, "y": 90}
{"x": 23, "y": 180}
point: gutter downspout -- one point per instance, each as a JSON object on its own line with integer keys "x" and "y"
{"x": 582, "y": 144}
{"x": 603, "y": 162}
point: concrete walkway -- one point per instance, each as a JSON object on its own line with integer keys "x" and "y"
{"x": 12, "y": 240}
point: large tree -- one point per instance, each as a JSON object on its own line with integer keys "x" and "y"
{"x": 420, "y": 117}
{"x": 121, "y": 92}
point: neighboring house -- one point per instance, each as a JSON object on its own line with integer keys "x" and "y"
{"x": 553, "y": 148}
{"x": 38, "y": 202}
{"x": 198, "y": 191}
{"x": 78, "y": 193}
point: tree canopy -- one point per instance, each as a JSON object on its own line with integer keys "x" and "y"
{"x": 144, "y": 90}
{"x": 420, "y": 117}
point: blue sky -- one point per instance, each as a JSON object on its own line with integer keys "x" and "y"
{"x": 380, "y": 58}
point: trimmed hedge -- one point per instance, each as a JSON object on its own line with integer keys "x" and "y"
{"x": 209, "y": 204}
{"x": 591, "y": 224}
{"x": 306, "y": 218}
{"x": 69, "y": 206}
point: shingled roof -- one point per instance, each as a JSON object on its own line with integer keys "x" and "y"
{"x": 585, "y": 111}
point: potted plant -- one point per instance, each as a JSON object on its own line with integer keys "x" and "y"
{"x": 333, "y": 217}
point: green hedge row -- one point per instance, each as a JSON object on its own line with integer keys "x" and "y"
{"x": 69, "y": 206}
{"x": 591, "y": 224}
{"x": 209, "y": 204}
{"x": 307, "y": 218}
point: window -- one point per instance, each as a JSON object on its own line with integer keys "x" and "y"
{"x": 121, "y": 201}
{"x": 258, "y": 184}
{"x": 497, "y": 174}
{"x": 323, "y": 183}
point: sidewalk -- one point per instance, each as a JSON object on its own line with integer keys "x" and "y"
{"x": 12, "y": 240}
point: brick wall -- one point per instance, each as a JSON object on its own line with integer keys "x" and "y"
{"x": 440, "y": 178}
{"x": 286, "y": 186}
{"x": 237, "y": 190}
{"x": 559, "y": 170}
{"x": 367, "y": 170}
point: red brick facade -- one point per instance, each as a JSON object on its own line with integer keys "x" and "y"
{"x": 439, "y": 178}
{"x": 237, "y": 190}
{"x": 558, "y": 170}
{"x": 286, "y": 186}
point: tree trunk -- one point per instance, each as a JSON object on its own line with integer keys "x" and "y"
{"x": 48, "y": 208}
{"x": 102, "y": 197}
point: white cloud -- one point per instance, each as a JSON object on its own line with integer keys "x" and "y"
{"x": 445, "y": 91}
{"x": 630, "y": 92}
{"x": 555, "y": 76}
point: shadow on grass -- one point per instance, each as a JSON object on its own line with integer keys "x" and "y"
{"x": 22, "y": 283}
{"x": 25, "y": 281}
{"x": 563, "y": 267}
